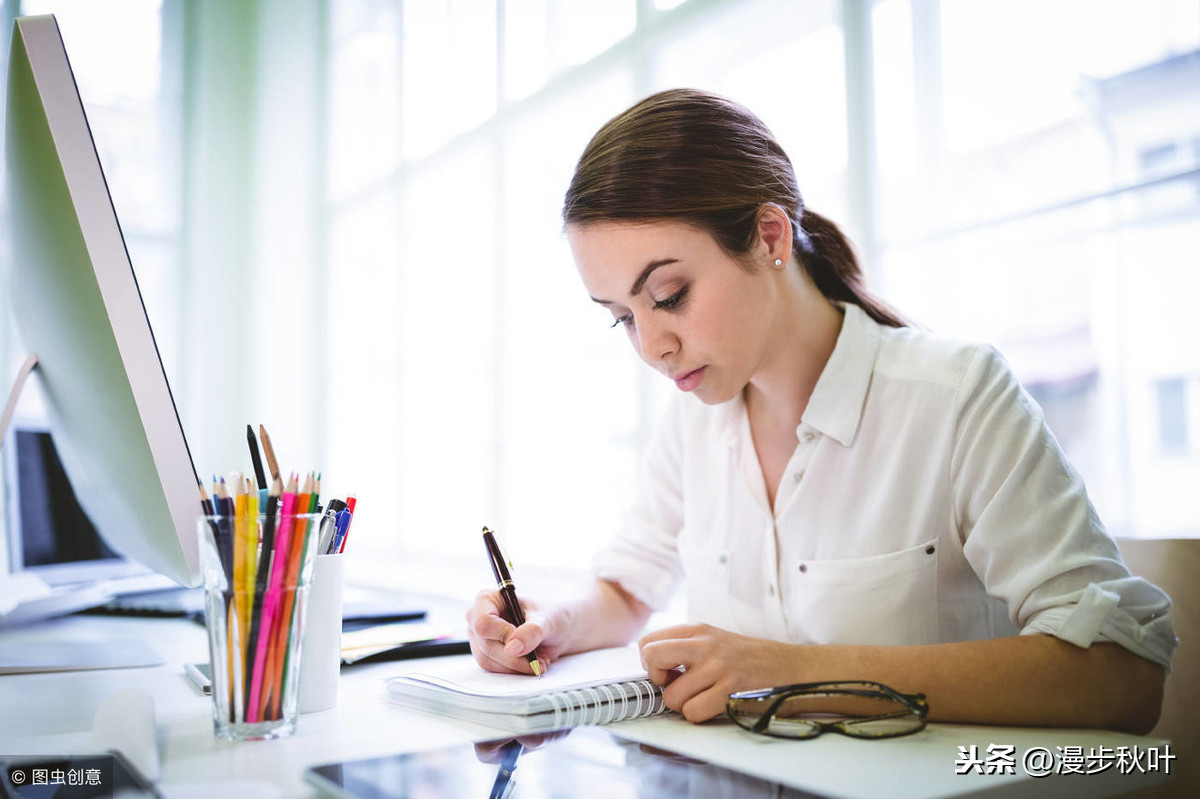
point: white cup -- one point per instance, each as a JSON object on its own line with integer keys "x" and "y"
{"x": 321, "y": 647}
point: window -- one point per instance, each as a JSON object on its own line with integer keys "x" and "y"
{"x": 499, "y": 394}
{"x": 128, "y": 81}
{"x": 1040, "y": 203}
{"x": 1048, "y": 203}
{"x": 1171, "y": 397}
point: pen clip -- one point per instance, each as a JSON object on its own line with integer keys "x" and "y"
{"x": 504, "y": 556}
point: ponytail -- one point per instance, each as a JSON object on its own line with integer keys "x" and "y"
{"x": 830, "y": 261}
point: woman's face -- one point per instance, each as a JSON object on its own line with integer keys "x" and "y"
{"x": 690, "y": 310}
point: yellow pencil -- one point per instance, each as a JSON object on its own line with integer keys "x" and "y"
{"x": 240, "y": 609}
{"x": 249, "y": 533}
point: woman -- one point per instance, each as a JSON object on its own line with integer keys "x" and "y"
{"x": 845, "y": 497}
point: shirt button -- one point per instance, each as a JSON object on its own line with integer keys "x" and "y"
{"x": 809, "y": 435}
{"x": 722, "y": 558}
{"x": 803, "y": 567}
{"x": 799, "y": 475}
{"x": 771, "y": 590}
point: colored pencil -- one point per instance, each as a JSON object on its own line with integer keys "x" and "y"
{"x": 261, "y": 685}
{"x": 258, "y": 664}
{"x": 273, "y": 604}
{"x": 287, "y": 597}
{"x": 269, "y": 451}
{"x": 304, "y": 532}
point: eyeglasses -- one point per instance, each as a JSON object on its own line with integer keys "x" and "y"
{"x": 858, "y": 708}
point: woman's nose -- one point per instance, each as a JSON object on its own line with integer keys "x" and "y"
{"x": 656, "y": 340}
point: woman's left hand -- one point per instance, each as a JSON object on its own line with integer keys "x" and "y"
{"x": 715, "y": 663}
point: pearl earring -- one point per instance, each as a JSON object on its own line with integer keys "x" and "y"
{"x": 779, "y": 262}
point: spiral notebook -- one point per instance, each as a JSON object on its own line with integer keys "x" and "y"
{"x": 589, "y": 688}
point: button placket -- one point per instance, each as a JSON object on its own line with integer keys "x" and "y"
{"x": 803, "y": 456}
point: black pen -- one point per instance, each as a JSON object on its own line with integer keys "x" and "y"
{"x": 504, "y": 783}
{"x": 508, "y": 592}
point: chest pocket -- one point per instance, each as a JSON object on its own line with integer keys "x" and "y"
{"x": 884, "y": 599}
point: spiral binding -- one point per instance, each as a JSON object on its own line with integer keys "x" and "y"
{"x": 606, "y": 703}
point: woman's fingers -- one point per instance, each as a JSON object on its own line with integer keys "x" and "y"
{"x": 497, "y": 644}
{"x": 705, "y": 705}
{"x": 675, "y": 632}
{"x": 697, "y": 664}
{"x": 490, "y": 663}
{"x": 667, "y": 652}
{"x": 694, "y": 693}
{"x": 487, "y": 632}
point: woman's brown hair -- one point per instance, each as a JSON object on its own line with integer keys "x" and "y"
{"x": 695, "y": 157}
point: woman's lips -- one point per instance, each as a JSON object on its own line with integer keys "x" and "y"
{"x": 689, "y": 380}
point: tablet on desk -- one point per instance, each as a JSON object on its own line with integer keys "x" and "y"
{"x": 581, "y": 762}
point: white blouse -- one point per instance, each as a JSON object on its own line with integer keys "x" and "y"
{"x": 926, "y": 502}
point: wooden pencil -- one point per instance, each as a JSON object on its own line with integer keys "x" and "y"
{"x": 269, "y": 451}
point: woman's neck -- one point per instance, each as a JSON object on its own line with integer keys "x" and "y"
{"x": 778, "y": 393}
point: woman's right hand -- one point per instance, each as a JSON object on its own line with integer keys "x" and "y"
{"x": 499, "y": 646}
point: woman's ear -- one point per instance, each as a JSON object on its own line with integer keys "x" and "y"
{"x": 774, "y": 235}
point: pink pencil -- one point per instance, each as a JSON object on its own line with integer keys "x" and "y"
{"x": 270, "y": 603}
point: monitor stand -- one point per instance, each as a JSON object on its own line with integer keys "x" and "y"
{"x": 18, "y": 384}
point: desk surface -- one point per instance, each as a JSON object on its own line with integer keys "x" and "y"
{"x": 49, "y": 714}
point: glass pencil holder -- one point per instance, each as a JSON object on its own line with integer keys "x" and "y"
{"x": 257, "y": 573}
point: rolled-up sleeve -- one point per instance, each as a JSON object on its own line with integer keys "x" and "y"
{"x": 1030, "y": 533}
{"x": 643, "y": 556}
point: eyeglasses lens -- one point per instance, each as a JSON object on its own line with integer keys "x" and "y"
{"x": 804, "y": 715}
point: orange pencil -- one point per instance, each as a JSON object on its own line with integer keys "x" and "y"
{"x": 305, "y": 495}
{"x": 302, "y": 533}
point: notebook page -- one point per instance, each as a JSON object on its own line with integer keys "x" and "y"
{"x": 598, "y": 667}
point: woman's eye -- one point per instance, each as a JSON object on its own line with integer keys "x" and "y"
{"x": 625, "y": 319}
{"x": 672, "y": 302}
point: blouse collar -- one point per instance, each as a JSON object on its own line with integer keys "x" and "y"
{"x": 836, "y": 405}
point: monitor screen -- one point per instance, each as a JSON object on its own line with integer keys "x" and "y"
{"x": 47, "y": 525}
{"x": 78, "y": 307}
{"x": 50, "y": 536}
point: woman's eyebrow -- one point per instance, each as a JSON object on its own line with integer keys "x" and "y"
{"x": 636, "y": 288}
{"x": 640, "y": 283}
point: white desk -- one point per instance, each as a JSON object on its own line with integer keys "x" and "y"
{"x": 50, "y": 714}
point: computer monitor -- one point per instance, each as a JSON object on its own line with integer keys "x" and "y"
{"x": 78, "y": 307}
